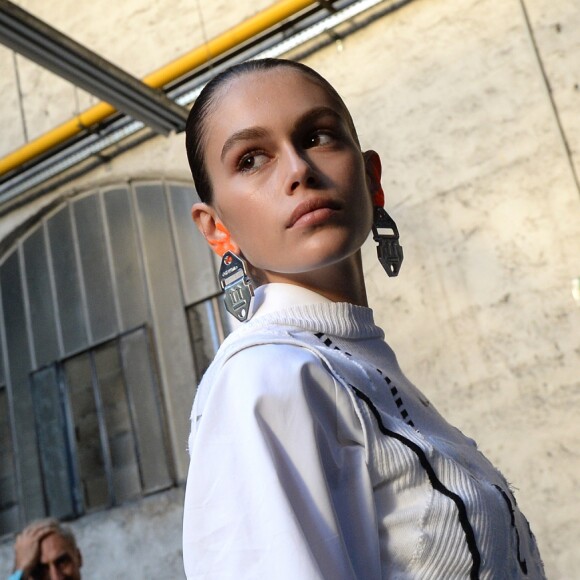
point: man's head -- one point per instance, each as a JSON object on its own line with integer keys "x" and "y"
{"x": 56, "y": 555}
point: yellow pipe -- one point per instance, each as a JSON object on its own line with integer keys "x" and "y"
{"x": 226, "y": 41}
{"x": 157, "y": 79}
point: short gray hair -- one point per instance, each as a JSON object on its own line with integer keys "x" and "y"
{"x": 62, "y": 530}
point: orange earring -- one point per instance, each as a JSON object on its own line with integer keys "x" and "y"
{"x": 379, "y": 198}
{"x": 379, "y": 195}
{"x": 223, "y": 245}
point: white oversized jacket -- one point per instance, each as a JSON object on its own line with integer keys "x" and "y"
{"x": 313, "y": 457}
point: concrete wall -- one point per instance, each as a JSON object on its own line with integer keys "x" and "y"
{"x": 139, "y": 540}
{"x": 475, "y": 114}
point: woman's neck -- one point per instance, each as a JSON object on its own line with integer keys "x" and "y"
{"x": 340, "y": 282}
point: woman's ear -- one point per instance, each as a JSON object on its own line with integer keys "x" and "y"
{"x": 373, "y": 171}
{"x": 213, "y": 230}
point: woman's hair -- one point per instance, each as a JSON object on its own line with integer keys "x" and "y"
{"x": 196, "y": 129}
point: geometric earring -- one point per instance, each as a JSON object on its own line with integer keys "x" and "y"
{"x": 389, "y": 250}
{"x": 236, "y": 284}
{"x": 385, "y": 231}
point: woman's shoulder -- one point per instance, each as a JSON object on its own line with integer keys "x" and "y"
{"x": 272, "y": 357}
{"x": 263, "y": 344}
{"x": 263, "y": 378}
{"x": 271, "y": 361}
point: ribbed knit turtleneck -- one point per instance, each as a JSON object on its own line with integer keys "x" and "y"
{"x": 293, "y": 306}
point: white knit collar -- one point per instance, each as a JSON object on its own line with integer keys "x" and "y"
{"x": 290, "y": 305}
{"x": 278, "y": 296}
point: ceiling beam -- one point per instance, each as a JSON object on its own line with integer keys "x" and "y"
{"x": 39, "y": 42}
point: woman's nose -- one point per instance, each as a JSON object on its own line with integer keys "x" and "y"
{"x": 300, "y": 171}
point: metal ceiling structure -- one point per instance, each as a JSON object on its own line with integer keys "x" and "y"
{"x": 308, "y": 30}
{"x": 58, "y": 53}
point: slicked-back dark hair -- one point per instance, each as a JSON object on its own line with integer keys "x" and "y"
{"x": 196, "y": 129}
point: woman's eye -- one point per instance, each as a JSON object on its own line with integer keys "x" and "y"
{"x": 320, "y": 139}
{"x": 252, "y": 161}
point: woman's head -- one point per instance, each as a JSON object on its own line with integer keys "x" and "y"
{"x": 197, "y": 122}
{"x": 277, "y": 163}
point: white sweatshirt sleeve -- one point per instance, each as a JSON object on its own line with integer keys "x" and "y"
{"x": 278, "y": 486}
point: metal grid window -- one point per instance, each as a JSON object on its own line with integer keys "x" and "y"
{"x": 208, "y": 327}
{"x": 8, "y": 490}
{"x": 100, "y": 428}
{"x": 109, "y": 313}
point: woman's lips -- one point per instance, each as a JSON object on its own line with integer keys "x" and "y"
{"x": 312, "y": 212}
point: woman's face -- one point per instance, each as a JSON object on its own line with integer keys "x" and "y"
{"x": 288, "y": 177}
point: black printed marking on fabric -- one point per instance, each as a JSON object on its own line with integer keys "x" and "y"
{"x": 399, "y": 402}
{"x": 435, "y": 482}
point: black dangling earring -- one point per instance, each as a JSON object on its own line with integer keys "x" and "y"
{"x": 237, "y": 286}
{"x": 389, "y": 250}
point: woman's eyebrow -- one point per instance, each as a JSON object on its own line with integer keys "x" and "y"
{"x": 317, "y": 113}
{"x": 242, "y": 135}
{"x": 250, "y": 133}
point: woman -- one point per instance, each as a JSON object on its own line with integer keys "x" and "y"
{"x": 312, "y": 456}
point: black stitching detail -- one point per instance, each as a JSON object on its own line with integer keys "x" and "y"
{"x": 399, "y": 402}
{"x": 328, "y": 342}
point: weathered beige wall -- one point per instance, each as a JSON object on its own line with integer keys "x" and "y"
{"x": 140, "y": 540}
{"x": 137, "y": 36}
{"x": 477, "y": 174}
{"x": 478, "y": 177}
